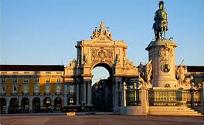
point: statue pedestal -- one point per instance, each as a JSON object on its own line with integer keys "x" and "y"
{"x": 162, "y": 54}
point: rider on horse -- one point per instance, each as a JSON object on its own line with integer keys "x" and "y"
{"x": 160, "y": 25}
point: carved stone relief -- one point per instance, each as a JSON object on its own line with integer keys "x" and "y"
{"x": 101, "y": 55}
{"x": 166, "y": 54}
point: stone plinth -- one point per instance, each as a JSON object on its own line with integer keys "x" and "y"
{"x": 162, "y": 54}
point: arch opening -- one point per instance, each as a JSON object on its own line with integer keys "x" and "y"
{"x": 58, "y": 104}
{"x": 25, "y": 105}
{"x": 13, "y": 105}
{"x": 36, "y": 104}
{"x": 2, "y": 105}
{"x": 47, "y": 104}
{"x": 102, "y": 87}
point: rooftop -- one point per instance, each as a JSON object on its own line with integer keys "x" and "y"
{"x": 31, "y": 68}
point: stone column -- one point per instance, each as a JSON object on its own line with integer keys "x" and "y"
{"x": 89, "y": 93}
{"x": 41, "y": 102}
{"x": 65, "y": 103}
{"x": 30, "y": 104}
{"x": 115, "y": 101}
{"x": 118, "y": 81}
{"x": 7, "y": 104}
{"x": 77, "y": 93}
{"x": 135, "y": 95}
{"x": 52, "y": 101}
{"x": 192, "y": 91}
{"x": 123, "y": 99}
{"x": 84, "y": 93}
{"x": 19, "y": 102}
{"x": 144, "y": 100}
{"x": 81, "y": 93}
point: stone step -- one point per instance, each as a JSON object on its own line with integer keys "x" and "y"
{"x": 161, "y": 110}
{"x": 176, "y": 114}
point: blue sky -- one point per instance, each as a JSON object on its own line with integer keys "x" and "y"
{"x": 46, "y": 31}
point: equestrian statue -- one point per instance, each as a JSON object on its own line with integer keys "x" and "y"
{"x": 160, "y": 25}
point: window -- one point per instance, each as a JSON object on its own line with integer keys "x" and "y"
{"x": 58, "y": 80}
{"x": 47, "y": 88}
{"x": 14, "y": 88}
{"x": 2, "y": 88}
{"x": 3, "y": 73}
{"x": 48, "y": 72}
{"x": 36, "y": 80}
{"x": 26, "y": 72}
{"x": 37, "y": 72}
{"x": 71, "y": 89}
{"x": 15, "y": 73}
{"x": 25, "y": 81}
{"x": 36, "y": 88}
{"x": 47, "y": 81}
{"x": 25, "y": 88}
{"x": 58, "y": 72}
{"x": 14, "y": 81}
{"x": 2, "y": 81}
{"x": 65, "y": 88}
{"x": 58, "y": 88}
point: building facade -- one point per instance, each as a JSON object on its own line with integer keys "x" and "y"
{"x": 33, "y": 88}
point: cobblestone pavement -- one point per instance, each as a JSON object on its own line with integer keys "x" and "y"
{"x": 38, "y": 119}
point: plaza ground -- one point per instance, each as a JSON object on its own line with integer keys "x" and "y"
{"x": 62, "y": 119}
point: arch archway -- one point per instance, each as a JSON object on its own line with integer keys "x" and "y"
{"x": 25, "y": 105}
{"x": 47, "y": 104}
{"x": 101, "y": 71}
{"x": 13, "y": 105}
{"x": 2, "y": 105}
{"x": 102, "y": 89}
{"x": 58, "y": 104}
{"x": 36, "y": 104}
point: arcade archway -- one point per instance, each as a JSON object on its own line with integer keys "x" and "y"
{"x": 36, "y": 104}
{"x": 47, "y": 104}
{"x": 2, "y": 105}
{"x": 13, "y": 105}
{"x": 25, "y": 105}
{"x": 57, "y": 104}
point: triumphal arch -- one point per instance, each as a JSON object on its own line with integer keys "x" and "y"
{"x": 101, "y": 50}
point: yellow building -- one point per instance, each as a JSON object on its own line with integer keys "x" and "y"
{"x": 33, "y": 88}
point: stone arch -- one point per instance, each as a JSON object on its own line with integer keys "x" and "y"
{"x": 105, "y": 65}
{"x": 58, "y": 104}
{"x": 36, "y": 104}
{"x": 2, "y": 105}
{"x": 13, "y": 105}
{"x": 47, "y": 104}
{"x": 25, "y": 104}
{"x": 102, "y": 97}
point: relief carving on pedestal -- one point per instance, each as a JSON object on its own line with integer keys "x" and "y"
{"x": 165, "y": 67}
{"x": 166, "y": 54}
